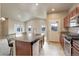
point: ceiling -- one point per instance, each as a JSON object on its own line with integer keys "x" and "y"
{"x": 26, "y": 11}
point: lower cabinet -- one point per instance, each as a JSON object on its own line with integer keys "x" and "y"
{"x": 75, "y": 48}
{"x": 23, "y": 48}
{"x": 75, "y": 52}
{"x": 62, "y": 41}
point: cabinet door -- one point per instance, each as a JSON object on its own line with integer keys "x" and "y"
{"x": 77, "y": 10}
{"x": 23, "y": 48}
{"x": 62, "y": 40}
{"x": 75, "y": 48}
{"x": 68, "y": 21}
{"x": 71, "y": 15}
{"x": 75, "y": 52}
{"x": 74, "y": 12}
{"x": 65, "y": 21}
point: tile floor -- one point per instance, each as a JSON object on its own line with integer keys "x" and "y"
{"x": 49, "y": 49}
{"x": 52, "y": 49}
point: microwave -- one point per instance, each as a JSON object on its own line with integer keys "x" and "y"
{"x": 74, "y": 22}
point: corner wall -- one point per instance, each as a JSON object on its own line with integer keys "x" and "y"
{"x": 36, "y": 26}
{"x": 55, "y": 35}
{"x": 11, "y": 24}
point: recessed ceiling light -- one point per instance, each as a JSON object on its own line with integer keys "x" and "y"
{"x": 53, "y": 9}
{"x": 36, "y": 4}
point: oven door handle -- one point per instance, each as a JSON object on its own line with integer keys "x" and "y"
{"x": 67, "y": 41}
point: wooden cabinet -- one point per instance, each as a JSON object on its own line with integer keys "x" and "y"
{"x": 77, "y": 9}
{"x": 23, "y": 48}
{"x": 66, "y": 21}
{"x": 75, "y": 48}
{"x": 62, "y": 41}
{"x": 72, "y": 14}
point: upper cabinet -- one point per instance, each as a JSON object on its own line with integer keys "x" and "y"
{"x": 66, "y": 21}
{"x": 77, "y": 9}
{"x": 71, "y": 17}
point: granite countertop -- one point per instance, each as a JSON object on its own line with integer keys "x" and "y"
{"x": 31, "y": 38}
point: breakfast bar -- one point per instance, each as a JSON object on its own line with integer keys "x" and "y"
{"x": 28, "y": 46}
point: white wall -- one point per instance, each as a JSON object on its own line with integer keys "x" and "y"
{"x": 55, "y": 35}
{"x": 11, "y": 26}
{"x": 36, "y": 25}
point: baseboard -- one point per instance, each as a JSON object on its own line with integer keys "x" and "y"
{"x": 54, "y": 42}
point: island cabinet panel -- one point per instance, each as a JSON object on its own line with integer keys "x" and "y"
{"x": 23, "y": 48}
{"x": 28, "y": 47}
{"x": 36, "y": 49}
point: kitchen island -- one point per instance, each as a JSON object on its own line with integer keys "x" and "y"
{"x": 28, "y": 45}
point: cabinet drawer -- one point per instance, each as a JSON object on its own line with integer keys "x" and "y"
{"x": 76, "y": 45}
{"x": 74, "y": 12}
{"x": 75, "y": 48}
{"x": 75, "y": 52}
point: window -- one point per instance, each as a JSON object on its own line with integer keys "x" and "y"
{"x": 29, "y": 28}
{"x": 54, "y": 26}
{"x": 18, "y": 30}
{"x": 43, "y": 28}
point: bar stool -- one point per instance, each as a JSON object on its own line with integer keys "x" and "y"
{"x": 10, "y": 44}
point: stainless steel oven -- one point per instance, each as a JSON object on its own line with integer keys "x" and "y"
{"x": 67, "y": 46}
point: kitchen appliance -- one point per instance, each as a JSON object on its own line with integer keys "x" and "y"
{"x": 68, "y": 39}
{"x": 74, "y": 21}
{"x": 67, "y": 45}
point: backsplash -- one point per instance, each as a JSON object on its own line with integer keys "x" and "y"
{"x": 74, "y": 30}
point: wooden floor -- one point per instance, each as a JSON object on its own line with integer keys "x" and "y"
{"x": 52, "y": 49}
